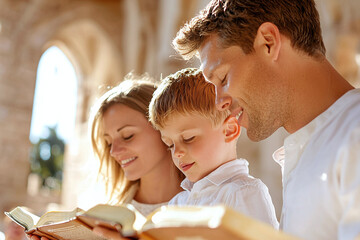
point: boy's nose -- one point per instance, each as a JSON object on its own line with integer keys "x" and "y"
{"x": 178, "y": 152}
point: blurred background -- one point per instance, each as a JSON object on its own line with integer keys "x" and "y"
{"x": 58, "y": 56}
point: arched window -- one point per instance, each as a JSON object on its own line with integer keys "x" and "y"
{"x": 55, "y": 96}
{"x": 53, "y": 116}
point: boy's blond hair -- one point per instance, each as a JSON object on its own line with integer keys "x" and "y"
{"x": 184, "y": 92}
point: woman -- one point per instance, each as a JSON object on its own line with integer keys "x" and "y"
{"x": 135, "y": 164}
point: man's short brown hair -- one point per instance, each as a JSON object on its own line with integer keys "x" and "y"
{"x": 184, "y": 92}
{"x": 236, "y": 22}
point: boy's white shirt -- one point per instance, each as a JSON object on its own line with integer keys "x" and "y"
{"x": 231, "y": 185}
{"x": 144, "y": 208}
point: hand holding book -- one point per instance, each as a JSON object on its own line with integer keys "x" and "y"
{"x": 108, "y": 234}
{"x": 77, "y": 224}
{"x": 165, "y": 223}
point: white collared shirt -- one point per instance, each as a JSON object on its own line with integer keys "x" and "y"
{"x": 145, "y": 208}
{"x": 321, "y": 174}
{"x": 231, "y": 185}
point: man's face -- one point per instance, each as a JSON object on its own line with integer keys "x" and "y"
{"x": 244, "y": 84}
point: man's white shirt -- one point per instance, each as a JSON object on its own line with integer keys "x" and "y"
{"x": 321, "y": 174}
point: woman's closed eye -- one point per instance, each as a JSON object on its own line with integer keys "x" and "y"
{"x": 128, "y": 137}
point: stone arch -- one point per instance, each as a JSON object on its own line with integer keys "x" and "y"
{"x": 97, "y": 60}
{"x": 97, "y": 63}
{"x": 93, "y": 55}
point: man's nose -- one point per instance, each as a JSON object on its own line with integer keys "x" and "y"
{"x": 223, "y": 102}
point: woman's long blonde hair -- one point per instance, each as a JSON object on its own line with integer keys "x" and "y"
{"x": 136, "y": 93}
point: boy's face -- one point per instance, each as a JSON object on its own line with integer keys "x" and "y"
{"x": 196, "y": 146}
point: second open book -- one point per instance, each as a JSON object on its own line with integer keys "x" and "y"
{"x": 165, "y": 223}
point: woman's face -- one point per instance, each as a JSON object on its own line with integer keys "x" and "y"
{"x": 133, "y": 142}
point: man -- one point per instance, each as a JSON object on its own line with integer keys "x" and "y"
{"x": 267, "y": 61}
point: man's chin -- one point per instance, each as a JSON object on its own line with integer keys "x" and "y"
{"x": 256, "y": 136}
{"x": 254, "y": 139}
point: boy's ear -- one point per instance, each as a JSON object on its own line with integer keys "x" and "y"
{"x": 232, "y": 129}
{"x": 268, "y": 40}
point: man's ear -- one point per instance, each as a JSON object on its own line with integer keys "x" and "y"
{"x": 268, "y": 40}
{"x": 232, "y": 129}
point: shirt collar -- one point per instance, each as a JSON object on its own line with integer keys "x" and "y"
{"x": 296, "y": 142}
{"x": 305, "y": 132}
{"x": 219, "y": 175}
{"x": 279, "y": 156}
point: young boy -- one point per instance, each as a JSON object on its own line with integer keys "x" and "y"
{"x": 203, "y": 141}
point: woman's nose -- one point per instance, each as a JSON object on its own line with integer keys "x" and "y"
{"x": 116, "y": 148}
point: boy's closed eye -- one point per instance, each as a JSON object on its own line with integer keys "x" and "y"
{"x": 189, "y": 139}
{"x": 170, "y": 145}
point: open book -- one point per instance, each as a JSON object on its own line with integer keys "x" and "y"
{"x": 165, "y": 223}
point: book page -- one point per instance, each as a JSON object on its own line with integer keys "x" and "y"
{"x": 70, "y": 230}
{"x": 125, "y": 216}
{"x": 57, "y": 216}
{"x": 23, "y": 217}
{"x": 118, "y": 214}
